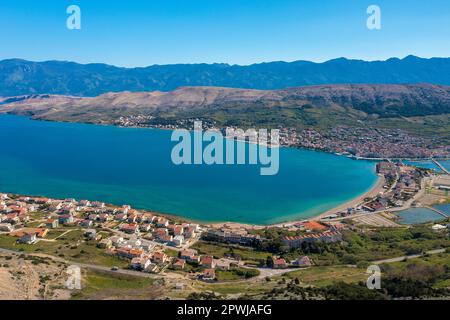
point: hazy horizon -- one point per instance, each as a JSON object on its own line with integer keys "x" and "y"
{"x": 161, "y": 32}
{"x": 224, "y": 63}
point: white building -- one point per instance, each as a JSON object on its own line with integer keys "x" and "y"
{"x": 28, "y": 238}
{"x": 178, "y": 241}
{"x": 438, "y": 227}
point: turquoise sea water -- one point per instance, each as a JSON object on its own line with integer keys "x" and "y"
{"x": 133, "y": 166}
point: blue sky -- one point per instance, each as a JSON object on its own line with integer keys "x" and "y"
{"x": 139, "y": 33}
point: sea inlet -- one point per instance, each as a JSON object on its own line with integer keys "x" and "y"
{"x": 133, "y": 166}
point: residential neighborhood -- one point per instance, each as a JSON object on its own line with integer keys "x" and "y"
{"x": 153, "y": 243}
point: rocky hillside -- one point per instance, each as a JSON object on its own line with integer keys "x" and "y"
{"x": 367, "y": 100}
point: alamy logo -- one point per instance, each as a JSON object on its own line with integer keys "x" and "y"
{"x": 73, "y": 22}
{"x": 262, "y": 149}
{"x": 374, "y": 19}
{"x": 374, "y": 280}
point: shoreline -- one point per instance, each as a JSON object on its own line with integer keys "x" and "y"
{"x": 373, "y": 191}
{"x": 376, "y": 189}
{"x": 348, "y": 156}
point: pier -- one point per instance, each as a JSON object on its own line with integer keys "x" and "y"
{"x": 438, "y": 211}
{"x": 440, "y": 166}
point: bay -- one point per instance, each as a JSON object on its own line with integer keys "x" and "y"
{"x": 133, "y": 166}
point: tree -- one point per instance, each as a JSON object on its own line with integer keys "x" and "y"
{"x": 269, "y": 261}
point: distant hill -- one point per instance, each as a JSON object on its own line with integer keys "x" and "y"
{"x": 417, "y": 107}
{"x": 20, "y": 77}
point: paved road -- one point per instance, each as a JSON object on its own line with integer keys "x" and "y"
{"x": 414, "y": 256}
{"x": 84, "y": 265}
{"x": 266, "y": 272}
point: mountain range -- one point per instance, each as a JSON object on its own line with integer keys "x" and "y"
{"x": 21, "y": 77}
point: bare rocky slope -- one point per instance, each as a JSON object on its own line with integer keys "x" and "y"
{"x": 375, "y": 100}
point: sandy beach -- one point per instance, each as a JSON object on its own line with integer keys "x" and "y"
{"x": 375, "y": 190}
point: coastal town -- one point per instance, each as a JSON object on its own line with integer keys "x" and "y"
{"x": 355, "y": 142}
{"x": 368, "y": 143}
{"x": 224, "y": 159}
{"x": 154, "y": 243}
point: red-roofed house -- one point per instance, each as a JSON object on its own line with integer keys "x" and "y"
{"x": 313, "y": 226}
{"x": 207, "y": 262}
{"x": 129, "y": 253}
{"x": 129, "y": 228}
{"x": 52, "y": 223}
{"x": 279, "y": 263}
{"x": 179, "y": 264}
{"x": 140, "y": 263}
{"x": 178, "y": 230}
{"x": 327, "y": 236}
{"x": 159, "y": 257}
{"x": 189, "y": 256}
{"x": 209, "y": 275}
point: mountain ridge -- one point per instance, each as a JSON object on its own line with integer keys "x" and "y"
{"x": 22, "y": 77}
{"x": 369, "y": 100}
